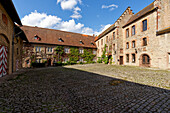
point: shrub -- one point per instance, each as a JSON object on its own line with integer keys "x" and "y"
{"x": 99, "y": 60}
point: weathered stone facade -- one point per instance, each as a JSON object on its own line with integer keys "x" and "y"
{"x": 43, "y": 49}
{"x": 150, "y": 26}
{"x": 7, "y": 36}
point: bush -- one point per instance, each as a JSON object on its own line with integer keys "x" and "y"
{"x": 99, "y": 60}
{"x": 105, "y": 60}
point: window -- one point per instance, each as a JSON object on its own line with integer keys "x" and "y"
{"x": 127, "y": 45}
{"x": 81, "y": 60}
{"x": 66, "y": 60}
{"x": 107, "y": 39}
{"x": 4, "y": 18}
{"x": 17, "y": 51}
{"x": 169, "y": 57}
{"x": 50, "y": 49}
{"x": 144, "y": 25}
{"x": 133, "y": 58}
{"x": 27, "y": 62}
{"x": 94, "y": 52}
{"x": 146, "y": 59}
{"x": 37, "y": 49}
{"x": 145, "y": 42}
{"x": 66, "y": 50}
{"x": 133, "y": 30}
{"x": 127, "y": 33}
{"x": 113, "y": 35}
{"x": 127, "y": 58}
{"x": 102, "y": 42}
{"x": 114, "y": 47}
{"x": 81, "y": 42}
{"x": 81, "y": 51}
{"x": 133, "y": 44}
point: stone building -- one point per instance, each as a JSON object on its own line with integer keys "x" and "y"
{"x": 10, "y": 38}
{"x": 43, "y": 42}
{"x": 141, "y": 39}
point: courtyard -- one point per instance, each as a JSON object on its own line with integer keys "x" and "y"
{"x": 90, "y": 88}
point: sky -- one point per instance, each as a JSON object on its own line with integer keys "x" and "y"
{"x": 80, "y": 16}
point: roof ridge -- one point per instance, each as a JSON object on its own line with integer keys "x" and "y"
{"x": 56, "y": 30}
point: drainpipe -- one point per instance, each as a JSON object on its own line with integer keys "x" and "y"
{"x": 13, "y": 49}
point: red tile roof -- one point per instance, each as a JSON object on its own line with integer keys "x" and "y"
{"x": 140, "y": 14}
{"x": 51, "y": 36}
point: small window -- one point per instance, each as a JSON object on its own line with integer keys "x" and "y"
{"x": 107, "y": 39}
{"x": 133, "y": 58}
{"x": 27, "y": 62}
{"x": 66, "y": 60}
{"x": 60, "y": 40}
{"x": 81, "y": 42}
{"x": 145, "y": 43}
{"x": 133, "y": 44}
{"x": 144, "y": 25}
{"x": 36, "y": 49}
{"x": 133, "y": 30}
{"x": 127, "y": 58}
{"x": 66, "y": 50}
{"x": 114, "y": 47}
{"x": 50, "y": 49}
{"x": 102, "y": 42}
{"x": 39, "y": 49}
{"x": 94, "y": 52}
{"x": 113, "y": 35}
{"x": 17, "y": 51}
{"x": 81, "y": 60}
{"x": 4, "y": 19}
{"x": 127, "y": 33}
{"x": 127, "y": 45}
{"x": 81, "y": 51}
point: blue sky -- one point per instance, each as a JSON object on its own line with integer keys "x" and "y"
{"x": 81, "y": 16}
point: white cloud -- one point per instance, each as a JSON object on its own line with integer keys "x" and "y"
{"x": 111, "y": 7}
{"x": 76, "y": 13}
{"x": 103, "y": 28}
{"x": 71, "y": 5}
{"x": 40, "y": 19}
{"x": 68, "y": 4}
{"x": 48, "y": 21}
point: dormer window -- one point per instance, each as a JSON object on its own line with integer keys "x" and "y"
{"x": 92, "y": 43}
{"x": 81, "y": 42}
{"x": 60, "y": 40}
{"x": 36, "y": 37}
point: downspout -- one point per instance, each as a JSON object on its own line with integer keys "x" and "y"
{"x": 13, "y": 49}
{"x": 157, "y": 20}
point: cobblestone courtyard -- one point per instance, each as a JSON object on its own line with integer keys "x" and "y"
{"x": 68, "y": 90}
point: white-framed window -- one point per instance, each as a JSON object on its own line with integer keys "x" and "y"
{"x": 81, "y": 50}
{"x": 133, "y": 44}
{"x": 81, "y": 60}
{"x": 49, "y": 49}
{"x": 66, "y": 60}
{"x": 94, "y": 52}
{"x": 66, "y": 50}
{"x": 38, "y": 49}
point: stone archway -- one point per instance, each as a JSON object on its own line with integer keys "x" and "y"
{"x": 145, "y": 60}
{"x": 4, "y": 55}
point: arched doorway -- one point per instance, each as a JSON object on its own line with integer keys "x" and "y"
{"x": 4, "y": 53}
{"x": 145, "y": 60}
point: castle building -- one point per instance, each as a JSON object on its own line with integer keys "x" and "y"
{"x": 11, "y": 39}
{"x": 141, "y": 39}
{"x": 43, "y": 42}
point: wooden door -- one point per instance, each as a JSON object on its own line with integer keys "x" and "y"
{"x": 121, "y": 60}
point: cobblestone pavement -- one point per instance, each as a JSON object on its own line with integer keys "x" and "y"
{"x": 66, "y": 90}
